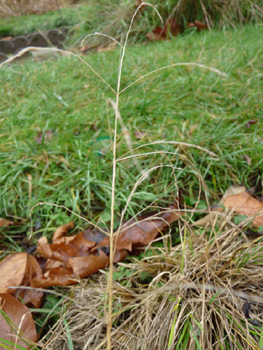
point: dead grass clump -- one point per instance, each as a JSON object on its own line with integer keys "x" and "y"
{"x": 9, "y": 8}
{"x": 204, "y": 293}
{"x": 219, "y": 12}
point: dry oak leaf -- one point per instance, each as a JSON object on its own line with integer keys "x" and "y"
{"x": 18, "y": 270}
{"x": 22, "y": 331}
{"x": 162, "y": 33}
{"x": 198, "y": 25}
{"x": 137, "y": 233}
{"x": 70, "y": 258}
{"x": 245, "y": 204}
{"x": 44, "y": 136}
{"x": 4, "y": 222}
{"x": 216, "y": 209}
{"x": 74, "y": 257}
{"x": 239, "y": 201}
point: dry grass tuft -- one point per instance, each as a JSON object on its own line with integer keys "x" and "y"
{"x": 9, "y": 8}
{"x": 190, "y": 296}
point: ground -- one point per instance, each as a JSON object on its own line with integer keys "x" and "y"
{"x": 196, "y": 124}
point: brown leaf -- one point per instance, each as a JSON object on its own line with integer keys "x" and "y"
{"x": 110, "y": 47}
{"x": 157, "y": 34}
{"x": 245, "y": 204}
{"x": 239, "y": 201}
{"x": 139, "y": 135}
{"x": 171, "y": 27}
{"x": 43, "y": 136}
{"x": 61, "y": 232}
{"x": 84, "y": 49}
{"x": 4, "y": 222}
{"x": 73, "y": 257}
{"x": 251, "y": 122}
{"x": 193, "y": 128}
{"x": 87, "y": 265}
{"x": 22, "y": 331}
{"x": 198, "y": 25}
{"x": 70, "y": 247}
{"x": 70, "y": 258}
{"x": 140, "y": 233}
{"x": 93, "y": 235}
{"x": 248, "y": 159}
{"x": 20, "y": 270}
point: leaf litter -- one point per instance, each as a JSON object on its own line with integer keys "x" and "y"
{"x": 66, "y": 260}
{"x": 69, "y": 258}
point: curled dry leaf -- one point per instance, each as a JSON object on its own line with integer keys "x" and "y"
{"x": 193, "y": 128}
{"x": 22, "y": 329}
{"x": 43, "y": 136}
{"x": 70, "y": 258}
{"x": 73, "y": 257}
{"x": 140, "y": 232}
{"x": 61, "y": 232}
{"x": 251, "y": 122}
{"x": 18, "y": 270}
{"x": 139, "y": 135}
{"x": 4, "y": 222}
{"x": 240, "y": 202}
{"x": 245, "y": 204}
{"x": 248, "y": 159}
{"x": 198, "y": 25}
{"x": 171, "y": 27}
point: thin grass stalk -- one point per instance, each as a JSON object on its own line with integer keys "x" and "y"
{"x": 114, "y": 163}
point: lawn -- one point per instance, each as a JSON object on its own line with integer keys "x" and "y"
{"x": 183, "y": 103}
{"x": 187, "y": 121}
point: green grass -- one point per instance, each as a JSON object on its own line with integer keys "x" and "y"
{"x": 66, "y": 17}
{"x": 74, "y": 167}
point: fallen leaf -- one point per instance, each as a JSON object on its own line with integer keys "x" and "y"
{"x": 22, "y": 329}
{"x": 240, "y": 202}
{"x": 72, "y": 257}
{"x": 193, "y": 128}
{"x": 251, "y": 122}
{"x": 171, "y": 27}
{"x": 216, "y": 209}
{"x": 18, "y": 270}
{"x": 248, "y": 159}
{"x": 245, "y": 204}
{"x": 43, "y": 136}
{"x": 61, "y": 231}
{"x": 139, "y": 135}
{"x": 110, "y": 47}
{"x": 140, "y": 232}
{"x": 198, "y": 25}
{"x": 86, "y": 48}
{"x": 4, "y": 222}
{"x": 157, "y": 34}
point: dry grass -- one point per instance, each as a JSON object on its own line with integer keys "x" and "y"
{"x": 189, "y": 296}
{"x": 219, "y": 12}
{"x": 9, "y": 8}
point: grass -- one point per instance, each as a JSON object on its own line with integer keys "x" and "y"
{"x": 65, "y": 17}
{"x": 73, "y": 168}
{"x": 185, "y": 104}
